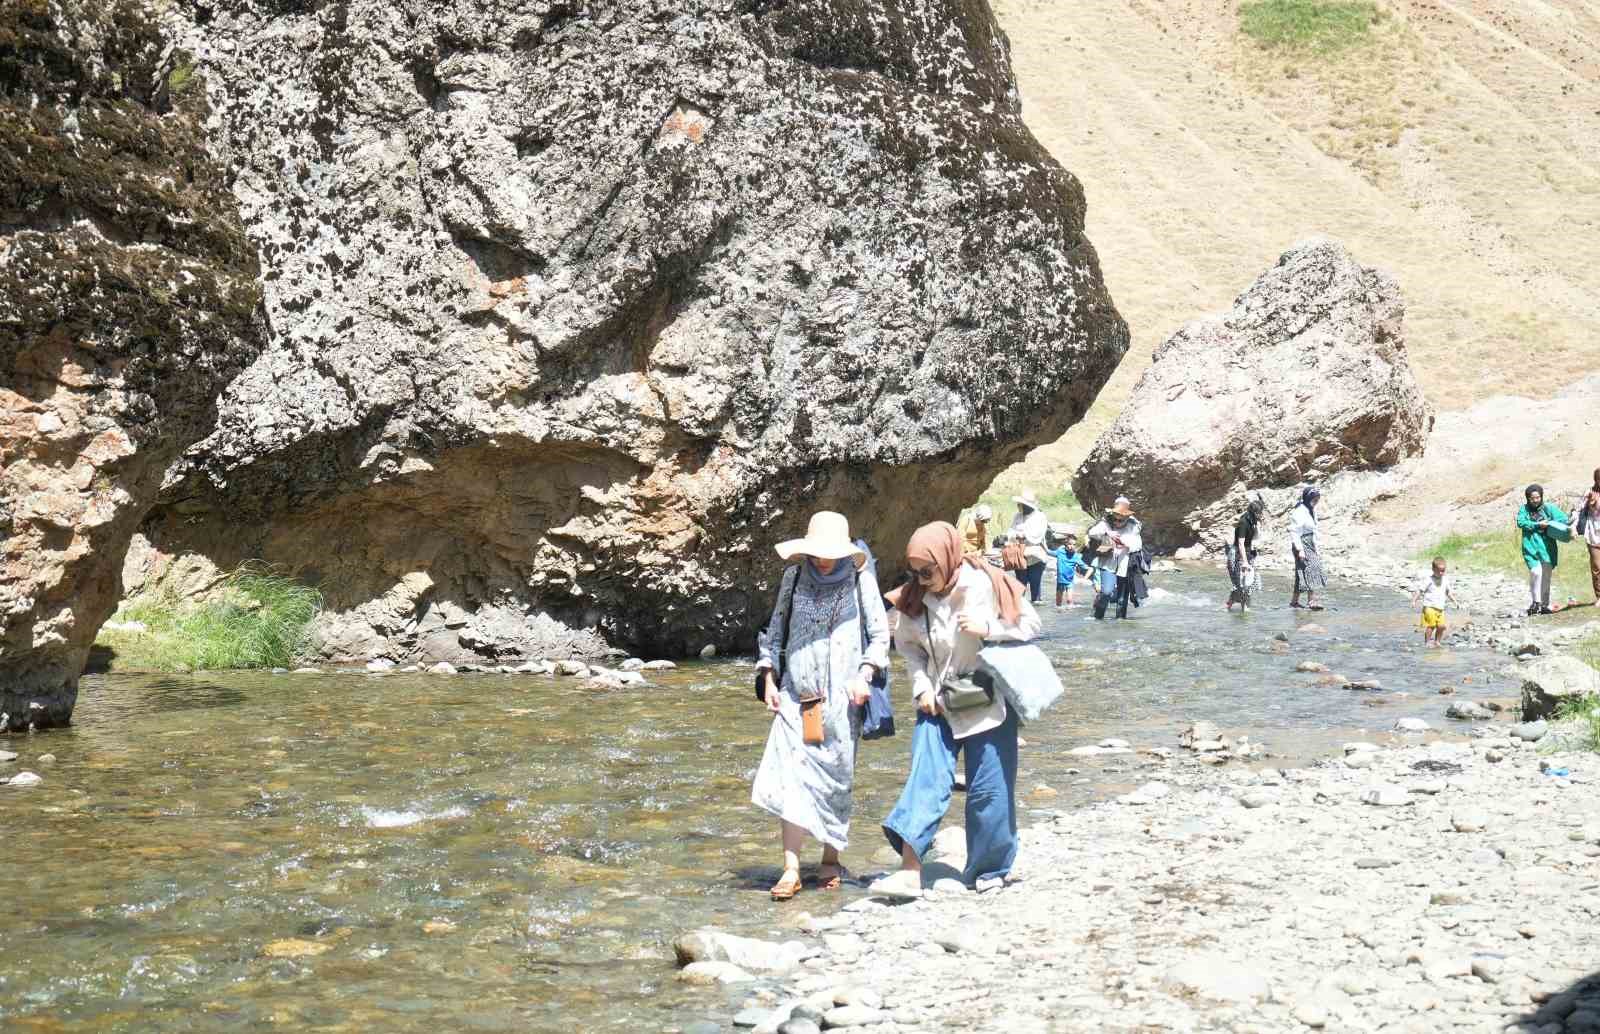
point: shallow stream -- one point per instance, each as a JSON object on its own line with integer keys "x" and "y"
{"x": 516, "y": 853}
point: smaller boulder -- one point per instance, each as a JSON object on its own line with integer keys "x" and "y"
{"x": 1467, "y": 710}
{"x": 1550, "y": 682}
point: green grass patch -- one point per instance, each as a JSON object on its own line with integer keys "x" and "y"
{"x": 180, "y": 79}
{"x": 1060, "y": 505}
{"x": 257, "y": 618}
{"x": 1587, "y": 713}
{"x": 1315, "y": 26}
{"x": 1500, "y": 552}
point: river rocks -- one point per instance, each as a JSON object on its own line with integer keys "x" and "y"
{"x": 1306, "y": 376}
{"x": 749, "y": 954}
{"x": 1469, "y": 822}
{"x": 295, "y": 948}
{"x": 22, "y": 779}
{"x": 571, "y": 668}
{"x": 714, "y": 973}
{"x": 1411, "y": 725}
{"x": 128, "y": 300}
{"x": 1551, "y": 681}
{"x": 442, "y": 668}
{"x": 577, "y": 309}
{"x": 1311, "y": 667}
{"x": 1216, "y": 977}
{"x": 1386, "y": 797}
{"x": 1467, "y": 710}
{"x": 1530, "y": 732}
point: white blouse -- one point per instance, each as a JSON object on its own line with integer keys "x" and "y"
{"x": 953, "y": 652}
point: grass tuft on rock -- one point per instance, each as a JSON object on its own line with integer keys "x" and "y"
{"x": 257, "y": 618}
{"x": 1310, "y": 26}
{"x": 1586, "y": 710}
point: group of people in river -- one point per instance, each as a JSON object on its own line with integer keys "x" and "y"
{"x": 825, "y": 652}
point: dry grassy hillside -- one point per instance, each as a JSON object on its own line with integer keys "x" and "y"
{"x": 1454, "y": 142}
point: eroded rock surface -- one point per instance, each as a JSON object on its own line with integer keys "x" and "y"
{"x": 577, "y": 308}
{"x": 128, "y": 299}
{"x": 1304, "y": 378}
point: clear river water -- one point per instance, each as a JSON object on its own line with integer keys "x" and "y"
{"x": 345, "y": 852}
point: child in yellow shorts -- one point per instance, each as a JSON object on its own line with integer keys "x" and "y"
{"x": 1434, "y": 591}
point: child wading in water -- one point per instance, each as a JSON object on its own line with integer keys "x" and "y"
{"x": 1435, "y": 591}
{"x": 1066, "y": 556}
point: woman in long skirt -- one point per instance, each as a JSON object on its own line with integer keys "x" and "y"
{"x": 816, "y": 658}
{"x": 1242, "y": 555}
{"x": 1308, "y": 574}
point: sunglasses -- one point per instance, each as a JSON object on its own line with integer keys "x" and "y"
{"x": 925, "y": 574}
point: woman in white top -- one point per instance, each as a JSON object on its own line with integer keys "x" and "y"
{"x": 947, "y": 612}
{"x": 1029, "y": 527}
{"x": 1308, "y": 574}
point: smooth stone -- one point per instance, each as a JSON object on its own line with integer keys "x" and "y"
{"x": 1216, "y": 977}
{"x": 380, "y": 664}
{"x": 6, "y": 755}
{"x": 712, "y": 945}
{"x": 307, "y": 671}
{"x": 1411, "y": 725}
{"x": 1530, "y": 732}
{"x": 1376, "y": 863}
{"x": 959, "y": 943}
{"x": 1386, "y": 797}
{"x": 1363, "y": 759}
{"x": 1364, "y": 685}
{"x": 1469, "y": 822}
{"x": 799, "y": 1026}
{"x": 1311, "y": 667}
{"x": 853, "y": 1016}
{"x": 950, "y": 885}
{"x": 713, "y": 973}
{"x": 1360, "y": 746}
{"x": 658, "y": 666}
{"x": 708, "y": 651}
{"x": 1466, "y": 710}
{"x": 631, "y": 664}
{"x": 861, "y": 996}
{"x": 1258, "y": 799}
{"x": 570, "y": 668}
{"x": 750, "y": 1018}
{"x": 1312, "y": 1015}
{"x": 442, "y": 668}
{"x": 808, "y": 1012}
{"x": 25, "y": 779}
{"x": 46, "y": 759}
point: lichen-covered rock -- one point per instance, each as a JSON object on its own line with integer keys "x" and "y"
{"x": 128, "y": 298}
{"x": 577, "y": 308}
{"x": 1305, "y": 377}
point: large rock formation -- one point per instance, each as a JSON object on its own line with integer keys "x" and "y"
{"x": 1304, "y": 378}
{"x": 576, "y": 308}
{"x": 128, "y": 298}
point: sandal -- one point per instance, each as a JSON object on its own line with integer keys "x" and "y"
{"x": 788, "y": 886}
{"x": 829, "y": 877}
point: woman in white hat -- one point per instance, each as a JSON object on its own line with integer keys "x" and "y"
{"x": 827, "y": 637}
{"x": 1120, "y": 537}
{"x": 975, "y": 530}
{"x": 1029, "y": 527}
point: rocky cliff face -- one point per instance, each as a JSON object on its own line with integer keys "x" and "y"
{"x": 1304, "y": 378}
{"x": 576, "y": 308}
{"x": 128, "y": 298}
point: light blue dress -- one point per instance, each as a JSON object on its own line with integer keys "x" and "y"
{"x": 810, "y": 785}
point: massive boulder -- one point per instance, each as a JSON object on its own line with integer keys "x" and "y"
{"x": 577, "y": 308}
{"x": 128, "y": 298}
{"x": 1304, "y": 378}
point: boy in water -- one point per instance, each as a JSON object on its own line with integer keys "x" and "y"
{"x": 1066, "y": 556}
{"x": 1434, "y": 591}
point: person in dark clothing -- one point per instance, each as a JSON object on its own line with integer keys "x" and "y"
{"x": 1242, "y": 555}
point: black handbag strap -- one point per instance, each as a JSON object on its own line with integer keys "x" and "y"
{"x": 781, "y": 657}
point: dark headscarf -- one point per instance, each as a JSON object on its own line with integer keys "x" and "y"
{"x": 1527, "y": 500}
{"x": 939, "y": 544}
{"x": 1309, "y": 497}
{"x": 1252, "y": 515}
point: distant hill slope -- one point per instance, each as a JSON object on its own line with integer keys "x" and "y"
{"x": 1458, "y": 147}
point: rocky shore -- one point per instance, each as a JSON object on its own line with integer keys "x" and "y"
{"x": 1444, "y": 886}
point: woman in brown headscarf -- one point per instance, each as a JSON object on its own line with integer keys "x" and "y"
{"x": 947, "y": 612}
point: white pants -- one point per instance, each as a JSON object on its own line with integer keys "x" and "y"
{"x": 1539, "y": 584}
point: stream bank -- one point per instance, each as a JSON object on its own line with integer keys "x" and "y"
{"x": 1425, "y": 888}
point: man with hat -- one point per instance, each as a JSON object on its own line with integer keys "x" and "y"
{"x": 1029, "y": 527}
{"x": 1119, "y": 541}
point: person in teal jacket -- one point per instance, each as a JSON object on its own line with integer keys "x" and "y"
{"x": 1542, "y": 525}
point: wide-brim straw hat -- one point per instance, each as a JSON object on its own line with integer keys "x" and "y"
{"x": 1123, "y": 508}
{"x": 827, "y": 538}
{"x": 1027, "y": 499}
{"x": 983, "y": 513}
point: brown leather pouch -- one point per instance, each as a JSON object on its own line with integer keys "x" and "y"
{"x": 1013, "y": 557}
{"x": 811, "y": 722}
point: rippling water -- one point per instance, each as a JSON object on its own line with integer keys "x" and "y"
{"x": 499, "y": 853}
